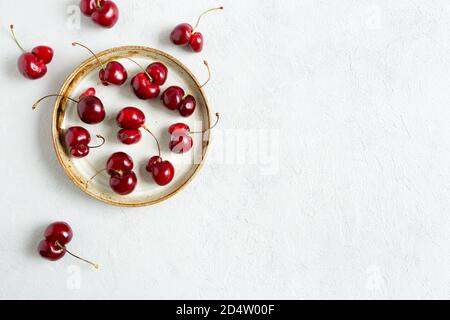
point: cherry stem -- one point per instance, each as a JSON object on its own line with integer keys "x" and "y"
{"x": 201, "y": 16}
{"x": 142, "y": 68}
{"x": 94, "y": 176}
{"x": 11, "y": 27}
{"x": 97, "y": 4}
{"x": 101, "y": 144}
{"x": 92, "y": 52}
{"x": 35, "y": 105}
{"x": 95, "y": 265}
{"x": 211, "y": 127}
{"x": 209, "y": 73}
{"x": 154, "y": 137}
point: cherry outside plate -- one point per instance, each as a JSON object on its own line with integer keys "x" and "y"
{"x": 158, "y": 119}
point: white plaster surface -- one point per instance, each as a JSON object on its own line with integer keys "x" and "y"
{"x": 329, "y": 177}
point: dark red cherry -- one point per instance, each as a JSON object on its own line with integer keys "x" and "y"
{"x": 180, "y": 139}
{"x": 181, "y": 34}
{"x": 91, "y": 110}
{"x": 43, "y": 53}
{"x": 172, "y": 97}
{"x": 87, "y": 7}
{"x": 106, "y": 15}
{"x": 89, "y": 92}
{"x": 130, "y": 118}
{"x": 118, "y": 163}
{"x": 31, "y": 67}
{"x": 196, "y": 42}
{"x": 76, "y": 136}
{"x": 124, "y": 183}
{"x": 129, "y": 136}
{"x": 114, "y": 73}
{"x": 158, "y": 72}
{"x": 50, "y": 250}
{"x": 59, "y": 231}
{"x": 162, "y": 171}
{"x": 143, "y": 88}
{"x": 80, "y": 151}
{"x": 187, "y": 106}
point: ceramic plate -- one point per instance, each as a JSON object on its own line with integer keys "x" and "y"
{"x": 158, "y": 118}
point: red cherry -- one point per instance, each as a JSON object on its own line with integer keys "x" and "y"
{"x": 187, "y": 106}
{"x": 87, "y": 7}
{"x": 76, "y": 136}
{"x": 158, "y": 72}
{"x": 143, "y": 88}
{"x": 129, "y": 136}
{"x": 123, "y": 184}
{"x": 130, "y": 118}
{"x": 106, "y": 14}
{"x": 172, "y": 97}
{"x": 118, "y": 163}
{"x": 50, "y": 250}
{"x": 53, "y": 247}
{"x": 181, "y": 34}
{"x": 77, "y": 141}
{"x": 43, "y": 53}
{"x": 180, "y": 139}
{"x": 88, "y": 92}
{"x": 162, "y": 171}
{"x": 114, "y": 72}
{"x": 184, "y": 34}
{"x": 59, "y": 231}
{"x": 91, "y": 110}
{"x": 196, "y": 42}
{"x": 32, "y": 65}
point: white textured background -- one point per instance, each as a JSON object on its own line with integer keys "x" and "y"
{"x": 330, "y": 176}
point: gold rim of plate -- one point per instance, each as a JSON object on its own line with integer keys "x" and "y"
{"x": 71, "y": 83}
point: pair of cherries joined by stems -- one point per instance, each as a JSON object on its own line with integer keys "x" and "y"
{"x": 184, "y": 34}
{"x": 56, "y": 237}
{"x": 33, "y": 65}
{"x": 105, "y": 13}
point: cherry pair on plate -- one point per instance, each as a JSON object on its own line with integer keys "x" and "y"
{"x": 33, "y": 65}
{"x": 56, "y": 237}
{"x": 89, "y": 107}
{"x": 105, "y": 13}
{"x": 186, "y": 35}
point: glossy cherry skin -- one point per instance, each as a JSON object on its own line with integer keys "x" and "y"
{"x": 31, "y": 67}
{"x": 130, "y": 118}
{"x": 181, "y": 35}
{"x": 129, "y": 136}
{"x": 180, "y": 139}
{"x": 187, "y": 106}
{"x": 123, "y": 184}
{"x": 196, "y": 42}
{"x": 43, "y": 53}
{"x": 107, "y": 15}
{"x": 91, "y": 110}
{"x": 59, "y": 231}
{"x": 172, "y": 97}
{"x": 76, "y": 136}
{"x": 143, "y": 88}
{"x": 162, "y": 171}
{"x": 50, "y": 250}
{"x": 158, "y": 72}
{"x": 89, "y": 92}
{"x": 119, "y": 163}
{"x": 87, "y": 7}
{"x": 77, "y": 140}
{"x": 114, "y": 73}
